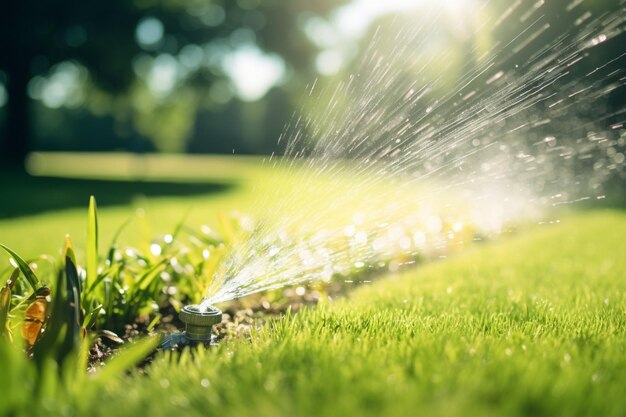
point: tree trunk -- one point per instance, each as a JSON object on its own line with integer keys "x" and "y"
{"x": 16, "y": 138}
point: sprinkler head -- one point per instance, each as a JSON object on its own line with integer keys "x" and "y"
{"x": 199, "y": 319}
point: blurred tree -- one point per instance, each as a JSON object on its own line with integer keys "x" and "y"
{"x": 106, "y": 39}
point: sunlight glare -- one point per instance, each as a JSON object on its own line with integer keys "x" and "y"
{"x": 355, "y": 18}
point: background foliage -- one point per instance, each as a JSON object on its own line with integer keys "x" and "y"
{"x": 214, "y": 76}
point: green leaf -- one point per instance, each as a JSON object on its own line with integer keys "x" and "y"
{"x": 5, "y": 300}
{"x": 23, "y": 265}
{"x": 91, "y": 317}
{"x": 180, "y": 224}
{"x": 63, "y": 331}
{"x": 143, "y": 283}
{"x": 157, "y": 318}
{"x": 92, "y": 242}
{"x": 106, "y": 273}
{"x": 113, "y": 245}
{"x": 146, "y": 279}
{"x": 74, "y": 300}
{"x": 108, "y": 299}
{"x": 69, "y": 250}
{"x": 46, "y": 348}
{"x": 14, "y": 276}
{"x": 5, "y": 305}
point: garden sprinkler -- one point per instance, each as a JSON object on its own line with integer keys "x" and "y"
{"x": 198, "y": 319}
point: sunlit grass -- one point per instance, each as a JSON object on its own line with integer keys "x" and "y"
{"x": 531, "y": 326}
{"x": 340, "y": 209}
{"x": 160, "y": 214}
{"x": 356, "y": 225}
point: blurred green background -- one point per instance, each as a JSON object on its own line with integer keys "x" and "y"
{"x": 213, "y": 76}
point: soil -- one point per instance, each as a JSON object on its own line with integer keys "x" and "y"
{"x": 239, "y": 318}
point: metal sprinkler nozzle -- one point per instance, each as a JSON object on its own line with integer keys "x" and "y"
{"x": 198, "y": 319}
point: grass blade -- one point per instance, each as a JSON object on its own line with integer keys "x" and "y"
{"x": 113, "y": 246}
{"x": 106, "y": 273}
{"x": 180, "y": 225}
{"x": 92, "y": 242}
{"x": 91, "y": 317}
{"x": 144, "y": 282}
{"x": 146, "y": 279}
{"x": 23, "y": 265}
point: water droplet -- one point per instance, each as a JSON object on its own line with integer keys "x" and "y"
{"x": 349, "y": 231}
{"x": 273, "y": 251}
{"x": 360, "y": 237}
{"x": 405, "y": 243}
{"x": 434, "y": 224}
{"x": 419, "y": 238}
{"x": 155, "y": 249}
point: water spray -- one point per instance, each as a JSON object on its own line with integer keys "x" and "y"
{"x": 199, "y": 319}
{"x": 385, "y": 163}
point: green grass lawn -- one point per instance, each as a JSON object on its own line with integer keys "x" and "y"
{"x": 38, "y": 211}
{"x": 534, "y": 325}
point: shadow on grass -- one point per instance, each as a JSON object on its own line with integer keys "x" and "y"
{"x": 22, "y": 194}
